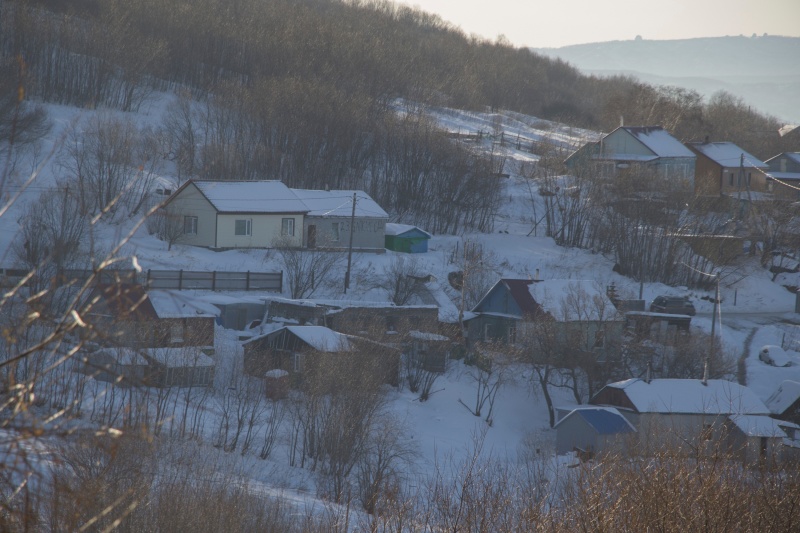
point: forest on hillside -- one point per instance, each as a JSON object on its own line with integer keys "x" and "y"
{"x": 332, "y": 60}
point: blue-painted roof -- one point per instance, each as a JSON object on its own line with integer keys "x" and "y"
{"x": 605, "y": 422}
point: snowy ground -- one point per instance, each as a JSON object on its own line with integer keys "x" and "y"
{"x": 442, "y": 425}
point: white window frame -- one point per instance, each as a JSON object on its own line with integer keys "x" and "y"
{"x": 248, "y": 227}
{"x": 190, "y": 222}
{"x": 298, "y": 362}
{"x": 287, "y": 227}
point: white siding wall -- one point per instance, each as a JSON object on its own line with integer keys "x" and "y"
{"x": 190, "y": 202}
{"x": 266, "y": 229}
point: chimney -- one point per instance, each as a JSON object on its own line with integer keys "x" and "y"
{"x": 621, "y": 121}
{"x": 706, "y": 140}
{"x": 536, "y": 275}
{"x": 648, "y": 377}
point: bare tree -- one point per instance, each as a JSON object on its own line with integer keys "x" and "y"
{"x": 384, "y": 464}
{"x": 52, "y": 235}
{"x": 402, "y": 279}
{"x": 307, "y": 269}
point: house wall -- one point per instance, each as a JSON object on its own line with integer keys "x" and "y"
{"x": 707, "y": 180}
{"x": 622, "y": 142}
{"x": 679, "y": 170}
{"x": 190, "y": 201}
{"x": 369, "y": 233}
{"x": 573, "y": 433}
{"x": 384, "y": 324}
{"x": 266, "y": 229}
{"x": 758, "y": 181}
{"x": 786, "y": 192}
{"x": 748, "y": 449}
{"x": 679, "y": 432}
{"x": 490, "y": 328}
{"x": 499, "y": 300}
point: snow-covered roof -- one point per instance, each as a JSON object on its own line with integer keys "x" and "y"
{"x": 788, "y": 128}
{"x": 393, "y": 228}
{"x": 784, "y": 175}
{"x": 604, "y": 420}
{"x": 425, "y": 336}
{"x": 788, "y": 393}
{"x": 794, "y": 156}
{"x": 321, "y": 338}
{"x": 184, "y": 356}
{"x": 175, "y": 304}
{"x": 691, "y": 396}
{"x": 339, "y": 204}
{"x": 124, "y": 356}
{"x": 760, "y": 425}
{"x": 727, "y": 154}
{"x": 638, "y": 158}
{"x": 659, "y": 141}
{"x": 572, "y": 300}
{"x": 275, "y": 197}
{"x": 251, "y": 197}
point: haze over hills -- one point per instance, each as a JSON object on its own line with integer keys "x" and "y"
{"x": 764, "y": 71}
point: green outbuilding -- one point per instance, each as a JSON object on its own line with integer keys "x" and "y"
{"x": 405, "y": 238}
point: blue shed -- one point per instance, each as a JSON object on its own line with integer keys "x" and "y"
{"x": 405, "y": 238}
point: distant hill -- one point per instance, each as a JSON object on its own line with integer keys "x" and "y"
{"x": 764, "y": 71}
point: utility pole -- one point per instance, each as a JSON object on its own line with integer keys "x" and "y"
{"x": 350, "y": 247}
{"x": 713, "y": 347}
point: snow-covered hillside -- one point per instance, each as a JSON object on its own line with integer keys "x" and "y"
{"x": 443, "y": 426}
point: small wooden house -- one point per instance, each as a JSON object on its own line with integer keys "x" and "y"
{"x": 430, "y": 350}
{"x": 783, "y": 178}
{"x": 127, "y": 315}
{"x": 407, "y": 239}
{"x": 638, "y": 149}
{"x": 756, "y": 439}
{"x": 581, "y": 315}
{"x": 725, "y": 169}
{"x": 300, "y": 349}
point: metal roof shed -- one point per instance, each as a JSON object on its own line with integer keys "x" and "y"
{"x": 407, "y": 239}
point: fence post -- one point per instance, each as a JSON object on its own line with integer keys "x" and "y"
{"x": 180, "y": 279}
{"x": 247, "y": 282}
{"x": 214, "y": 280}
{"x": 148, "y": 278}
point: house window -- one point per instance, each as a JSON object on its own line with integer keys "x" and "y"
{"x": 244, "y": 227}
{"x": 391, "y": 323}
{"x": 599, "y": 338}
{"x": 287, "y": 226}
{"x": 708, "y": 432}
{"x": 335, "y": 231}
{"x": 190, "y": 225}
{"x": 487, "y": 330}
{"x": 770, "y": 186}
{"x": 730, "y": 182}
{"x": 512, "y": 335}
{"x": 298, "y": 362}
{"x": 176, "y": 333}
{"x": 749, "y": 175}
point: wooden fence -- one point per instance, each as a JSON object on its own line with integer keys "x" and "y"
{"x": 165, "y": 279}
{"x": 214, "y": 281}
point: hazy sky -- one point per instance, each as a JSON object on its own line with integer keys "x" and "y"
{"x": 555, "y": 23}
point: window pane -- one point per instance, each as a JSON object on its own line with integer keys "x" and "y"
{"x": 335, "y": 231}
{"x": 287, "y": 226}
{"x": 190, "y": 225}
{"x": 243, "y": 227}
